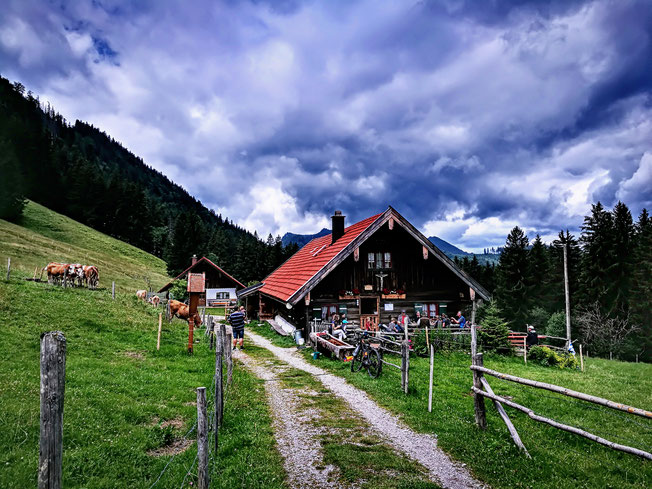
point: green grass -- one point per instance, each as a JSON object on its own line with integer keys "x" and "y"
{"x": 42, "y": 236}
{"x": 560, "y": 459}
{"x": 119, "y": 390}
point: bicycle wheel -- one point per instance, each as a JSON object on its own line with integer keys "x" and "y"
{"x": 356, "y": 363}
{"x": 375, "y": 364}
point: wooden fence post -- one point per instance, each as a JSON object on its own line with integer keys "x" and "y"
{"x": 405, "y": 365}
{"x": 525, "y": 349}
{"x": 432, "y": 361}
{"x": 158, "y": 336}
{"x": 228, "y": 339}
{"x": 202, "y": 439}
{"x": 113, "y": 290}
{"x": 582, "y": 358}
{"x": 218, "y": 389}
{"x": 480, "y": 411}
{"x": 219, "y": 399}
{"x": 474, "y": 339}
{"x": 211, "y": 333}
{"x": 53, "y": 379}
{"x": 8, "y": 267}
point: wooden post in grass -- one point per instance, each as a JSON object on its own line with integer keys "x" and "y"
{"x": 202, "y": 439}
{"x": 474, "y": 339}
{"x": 113, "y": 290}
{"x": 228, "y": 340}
{"x": 508, "y": 422}
{"x": 35, "y": 272}
{"x": 219, "y": 387}
{"x": 53, "y": 379}
{"x": 405, "y": 365}
{"x": 432, "y": 361}
{"x": 211, "y": 327}
{"x": 582, "y": 358}
{"x": 158, "y": 336}
{"x": 480, "y": 411}
{"x": 525, "y": 349}
{"x": 8, "y": 267}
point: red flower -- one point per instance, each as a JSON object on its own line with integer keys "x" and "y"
{"x": 385, "y": 291}
{"x": 356, "y": 291}
{"x": 342, "y": 292}
{"x": 400, "y": 291}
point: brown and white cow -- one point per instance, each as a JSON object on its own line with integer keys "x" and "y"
{"x": 56, "y": 271}
{"x": 141, "y": 294}
{"x": 155, "y": 300}
{"x": 182, "y": 311}
{"x": 91, "y": 276}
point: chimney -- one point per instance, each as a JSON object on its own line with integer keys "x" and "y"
{"x": 338, "y": 225}
{"x": 194, "y": 259}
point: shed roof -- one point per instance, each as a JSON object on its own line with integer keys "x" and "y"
{"x": 202, "y": 260}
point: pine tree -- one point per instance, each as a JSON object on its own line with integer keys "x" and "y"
{"x": 619, "y": 282}
{"x": 12, "y": 194}
{"x": 511, "y": 288}
{"x": 641, "y": 283}
{"x": 538, "y": 271}
{"x": 598, "y": 257}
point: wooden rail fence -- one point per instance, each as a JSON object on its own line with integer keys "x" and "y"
{"x": 482, "y": 390}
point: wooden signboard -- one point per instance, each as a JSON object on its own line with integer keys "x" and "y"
{"x": 197, "y": 283}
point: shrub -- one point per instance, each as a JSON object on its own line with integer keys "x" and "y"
{"x": 494, "y": 334}
{"x": 538, "y": 317}
{"x": 550, "y": 358}
{"x": 556, "y": 325}
{"x": 179, "y": 290}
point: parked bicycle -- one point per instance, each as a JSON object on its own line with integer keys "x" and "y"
{"x": 366, "y": 356}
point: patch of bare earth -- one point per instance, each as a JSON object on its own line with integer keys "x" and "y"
{"x": 420, "y": 447}
{"x": 179, "y": 445}
{"x": 136, "y": 355}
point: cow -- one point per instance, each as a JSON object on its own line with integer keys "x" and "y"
{"x": 141, "y": 294}
{"x": 73, "y": 274}
{"x": 91, "y": 276}
{"x": 56, "y": 271}
{"x": 182, "y": 311}
{"x": 155, "y": 300}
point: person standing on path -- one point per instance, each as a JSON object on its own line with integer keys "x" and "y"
{"x": 237, "y": 321}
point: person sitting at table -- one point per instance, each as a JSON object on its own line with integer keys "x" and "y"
{"x": 368, "y": 324}
{"x": 445, "y": 320}
{"x": 339, "y": 331}
{"x": 436, "y": 322}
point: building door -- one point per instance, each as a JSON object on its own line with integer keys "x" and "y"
{"x": 369, "y": 309}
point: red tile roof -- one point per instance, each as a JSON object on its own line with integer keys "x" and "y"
{"x": 283, "y": 282}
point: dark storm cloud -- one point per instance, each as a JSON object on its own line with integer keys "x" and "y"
{"x": 468, "y": 117}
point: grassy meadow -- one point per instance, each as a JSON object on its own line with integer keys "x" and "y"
{"x": 42, "y": 236}
{"x": 124, "y": 400}
{"x": 559, "y": 459}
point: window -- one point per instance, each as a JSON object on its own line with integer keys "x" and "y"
{"x": 222, "y": 295}
{"x": 379, "y": 260}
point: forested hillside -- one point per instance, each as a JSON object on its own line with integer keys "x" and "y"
{"x": 78, "y": 170}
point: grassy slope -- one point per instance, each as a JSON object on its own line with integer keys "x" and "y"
{"x": 43, "y": 236}
{"x": 560, "y": 460}
{"x": 117, "y": 387}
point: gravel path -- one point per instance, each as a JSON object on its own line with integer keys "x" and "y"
{"x": 417, "y": 446}
{"x": 296, "y": 433}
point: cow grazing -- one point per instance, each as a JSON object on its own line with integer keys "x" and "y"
{"x": 91, "y": 276}
{"x": 155, "y": 300}
{"x": 182, "y": 311}
{"x": 56, "y": 272}
{"x": 141, "y": 294}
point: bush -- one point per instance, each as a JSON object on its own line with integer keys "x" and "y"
{"x": 179, "y": 290}
{"x": 549, "y": 358}
{"x": 494, "y": 334}
{"x": 556, "y": 325}
{"x": 538, "y": 318}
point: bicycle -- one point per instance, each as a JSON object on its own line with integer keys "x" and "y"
{"x": 368, "y": 357}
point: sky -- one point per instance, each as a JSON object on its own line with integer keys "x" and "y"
{"x": 468, "y": 117}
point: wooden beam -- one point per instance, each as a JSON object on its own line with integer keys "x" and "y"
{"x": 566, "y": 392}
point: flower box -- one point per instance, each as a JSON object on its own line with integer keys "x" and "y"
{"x": 393, "y": 296}
{"x": 349, "y": 297}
